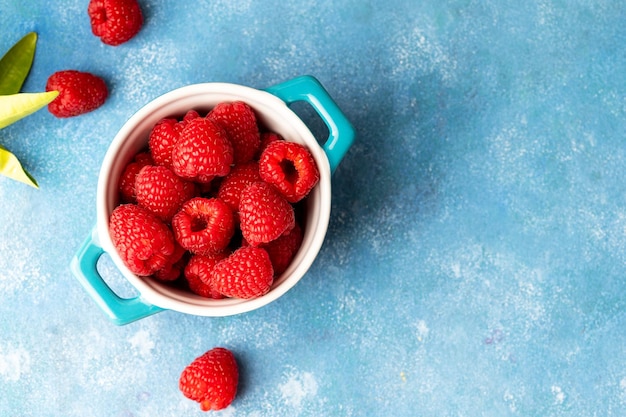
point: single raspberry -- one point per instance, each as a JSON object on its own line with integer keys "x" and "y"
{"x": 266, "y": 139}
{"x": 142, "y": 240}
{"x": 204, "y": 225}
{"x": 127, "y": 179}
{"x": 264, "y": 214}
{"x": 164, "y": 136}
{"x": 232, "y": 185}
{"x": 115, "y": 21}
{"x": 79, "y": 93}
{"x": 198, "y": 274}
{"x": 174, "y": 267}
{"x": 190, "y": 115}
{"x": 211, "y": 379}
{"x": 283, "y": 249}
{"x": 161, "y": 140}
{"x": 161, "y": 191}
{"x": 290, "y": 167}
{"x": 202, "y": 152}
{"x": 239, "y": 121}
{"x": 246, "y": 273}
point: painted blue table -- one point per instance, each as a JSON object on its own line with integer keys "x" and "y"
{"x": 474, "y": 264}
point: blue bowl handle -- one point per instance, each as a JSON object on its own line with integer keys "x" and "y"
{"x": 120, "y": 311}
{"x": 307, "y": 88}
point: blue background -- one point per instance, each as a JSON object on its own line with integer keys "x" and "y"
{"x": 474, "y": 264}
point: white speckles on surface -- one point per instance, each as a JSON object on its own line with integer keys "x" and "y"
{"x": 142, "y": 343}
{"x": 559, "y": 395}
{"x": 298, "y": 388}
{"x": 15, "y": 362}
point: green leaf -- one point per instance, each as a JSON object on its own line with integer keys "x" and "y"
{"x": 10, "y": 167}
{"x": 16, "y": 63}
{"x": 17, "y": 106}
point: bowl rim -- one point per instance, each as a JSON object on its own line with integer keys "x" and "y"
{"x": 269, "y": 108}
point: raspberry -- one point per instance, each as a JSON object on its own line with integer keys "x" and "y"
{"x": 127, "y": 179}
{"x": 246, "y": 273}
{"x": 232, "y": 185}
{"x": 211, "y": 379}
{"x": 204, "y": 225}
{"x": 264, "y": 214}
{"x": 267, "y": 138}
{"x": 198, "y": 275}
{"x": 164, "y": 136}
{"x": 190, "y": 115}
{"x": 290, "y": 167}
{"x": 79, "y": 93}
{"x": 239, "y": 122}
{"x": 161, "y": 141}
{"x": 283, "y": 249}
{"x": 202, "y": 152}
{"x": 144, "y": 242}
{"x": 161, "y": 191}
{"x": 115, "y": 21}
{"x": 172, "y": 270}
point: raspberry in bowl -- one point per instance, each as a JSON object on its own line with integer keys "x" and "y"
{"x": 230, "y": 235}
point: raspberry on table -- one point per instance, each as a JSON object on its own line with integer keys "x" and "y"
{"x": 264, "y": 214}
{"x": 79, "y": 93}
{"x": 290, "y": 167}
{"x": 204, "y": 225}
{"x": 202, "y": 152}
{"x": 198, "y": 274}
{"x": 161, "y": 191}
{"x": 240, "y": 123}
{"x": 142, "y": 240}
{"x": 211, "y": 379}
{"x": 115, "y": 21}
{"x": 127, "y": 179}
{"x": 247, "y": 273}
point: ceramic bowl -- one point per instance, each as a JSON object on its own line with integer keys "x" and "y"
{"x": 272, "y": 106}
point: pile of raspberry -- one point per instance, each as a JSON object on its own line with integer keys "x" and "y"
{"x": 215, "y": 203}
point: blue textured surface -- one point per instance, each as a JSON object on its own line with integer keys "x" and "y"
{"x": 474, "y": 264}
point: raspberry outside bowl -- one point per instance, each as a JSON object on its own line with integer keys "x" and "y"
{"x": 272, "y": 108}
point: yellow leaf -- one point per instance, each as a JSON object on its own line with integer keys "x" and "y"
{"x": 14, "y": 107}
{"x": 10, "y": 166}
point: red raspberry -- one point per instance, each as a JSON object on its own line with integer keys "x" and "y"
{"x": 211, "y": 379}
{"x": 115, "y": 21}
{"x": 164, "y": 135}
{"x": 267, "y": 138}
{"x": 290, "y": 167}
{"x": 198, "y": 275}
{"x": 79, "y": 93}
{"x": 283, "y": 249}
{"x": 246, "y": 273}
{"x": 161, "y": 191}
{"x": 204, "y": 225}
{"x": 202, "y": 152}
{"x": 127, "y": 179}
{"x": 189, "y": 116}
{"x": 172, "y": 270}
{"x": 264, "y": 214}
{"x": 239, "y": 122}
{"x": 232, "y": 185}
{"x": 162, "y": 139}
{"x": 144, "y": 242}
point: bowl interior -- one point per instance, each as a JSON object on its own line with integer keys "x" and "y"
{"x": 273, "y": 114}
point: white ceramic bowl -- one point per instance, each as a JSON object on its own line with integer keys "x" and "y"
{"x": 272, "y": 108}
